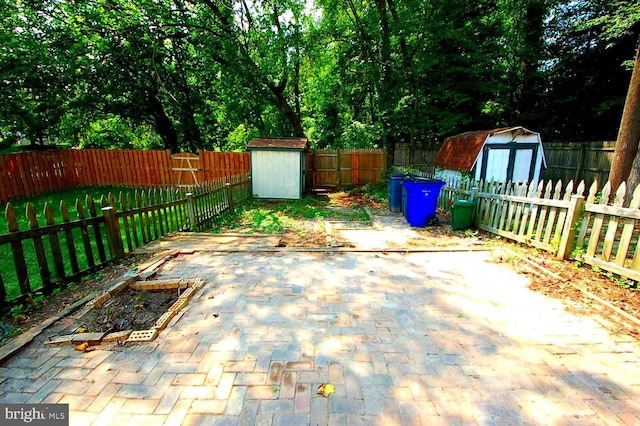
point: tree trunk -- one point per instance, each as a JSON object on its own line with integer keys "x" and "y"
{"x": 260, "y": 124}
{"x": 162, "y": 123}
{"x": 629, "y": 133}
{"x": 284, "y": 106}
{"x": 634, "y": 178}
{"x": 533, "y": 45}
{"x": 386, "y": 86}
{"x": 192, "y": 135}
{"x": 252, "y": 68}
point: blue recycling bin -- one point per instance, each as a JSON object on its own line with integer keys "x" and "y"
{"x": 394, "y": 185}
{"x": 421, "y": 198}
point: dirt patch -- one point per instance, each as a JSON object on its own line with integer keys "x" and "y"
{"x": 304, "y": 234}
{"x": 353, "y": 199}
{"x": 626, "y": 299}
{"x": 23, "y": 319}
{"x": 130, "y": 310}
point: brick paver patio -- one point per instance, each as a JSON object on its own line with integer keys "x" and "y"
{"x": 416, "y": 338}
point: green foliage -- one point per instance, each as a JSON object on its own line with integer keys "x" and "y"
{"x": 373, "y": 191}
{"x": 240, "y": 137}
{"x": 192, "y": 75}
{"x": 589, "y": 48}
{"x": 116, "y": 132}
{"x": 618, "y": 280}
{"x": 358, "y": 135}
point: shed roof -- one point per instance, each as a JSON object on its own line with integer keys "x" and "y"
{"x": 460, "y": 152}
{"x": 278, "y": 143}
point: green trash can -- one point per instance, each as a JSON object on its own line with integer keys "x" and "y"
{"x": 462, "y": 214}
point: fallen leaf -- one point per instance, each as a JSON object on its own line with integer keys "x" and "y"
{"x": 82, "y": 346}
{"x": 326, "y": 389}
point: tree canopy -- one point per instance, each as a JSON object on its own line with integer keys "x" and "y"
{"x": 187, "y": 74}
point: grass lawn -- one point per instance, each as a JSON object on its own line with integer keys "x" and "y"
{"x": 301, "y": 223}
{"x": 274, "y": 217}
{"x": 7, "y": 267}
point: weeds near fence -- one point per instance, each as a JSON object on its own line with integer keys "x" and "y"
{"x": 48, "y": 254}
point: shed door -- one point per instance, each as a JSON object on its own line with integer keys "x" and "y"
{"x": 522, "y": 165}
{"x": 497, "y": 165}
{"x": 275, "y": 174}
{"x": 512, "y": 162}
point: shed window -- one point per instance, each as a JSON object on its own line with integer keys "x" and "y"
{"x": 513, "y": 162}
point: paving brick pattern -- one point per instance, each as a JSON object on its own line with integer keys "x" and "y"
{"x": 421, "y": 338}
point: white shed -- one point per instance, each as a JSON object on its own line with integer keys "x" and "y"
{"x": 509, "y": 154}
{"x": 278, "y": 167}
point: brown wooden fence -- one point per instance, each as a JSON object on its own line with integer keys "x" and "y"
{"x": 577, "y": 161}
{"x": 559, "y": 219}
{"x": 29, "y": 174}
{"x": 336, "y": 168}
{"x": 49, "y": 255}
{"x": 418, "y": 157}
{"x": 41, "y": 172}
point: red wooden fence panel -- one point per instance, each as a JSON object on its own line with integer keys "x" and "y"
{"x": 27, "y": 174}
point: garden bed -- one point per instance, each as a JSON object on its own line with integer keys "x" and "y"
{"x": 22, "y": 318}
{"x": 129, "y": 310}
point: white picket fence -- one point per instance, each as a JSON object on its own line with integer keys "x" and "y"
{"x": 558, "y": 219}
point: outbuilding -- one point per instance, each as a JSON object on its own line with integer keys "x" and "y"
{"x": 278, "y": 167}
{"x": 508, "y": 154}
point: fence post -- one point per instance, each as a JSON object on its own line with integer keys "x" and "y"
{"x": 3, "y": 293}
{"x": 114, "y": 238}
{"x": 18, "y": 252}
{"x": 576, "y": 205}
{"x": 191, "y": 205}
{"x": 339, "y": 176}
{"x": 474, "y": 193}
{"x": 229, "y": 196}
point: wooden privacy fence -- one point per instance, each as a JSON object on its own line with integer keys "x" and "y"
{"x": 558, "y": 219}
{"x": 577, "y": 161}
{"x": 64, "y": 251}
{"x": 29, "y": 174}
{"x": 337, "y": 168}
{"x": 419, "y": 157}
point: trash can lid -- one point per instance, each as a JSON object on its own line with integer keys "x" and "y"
{"x": 417, "y": 179}
{"x": 462, "y": 203}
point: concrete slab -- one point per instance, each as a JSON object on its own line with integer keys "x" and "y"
{"x": 405, "y": 338}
